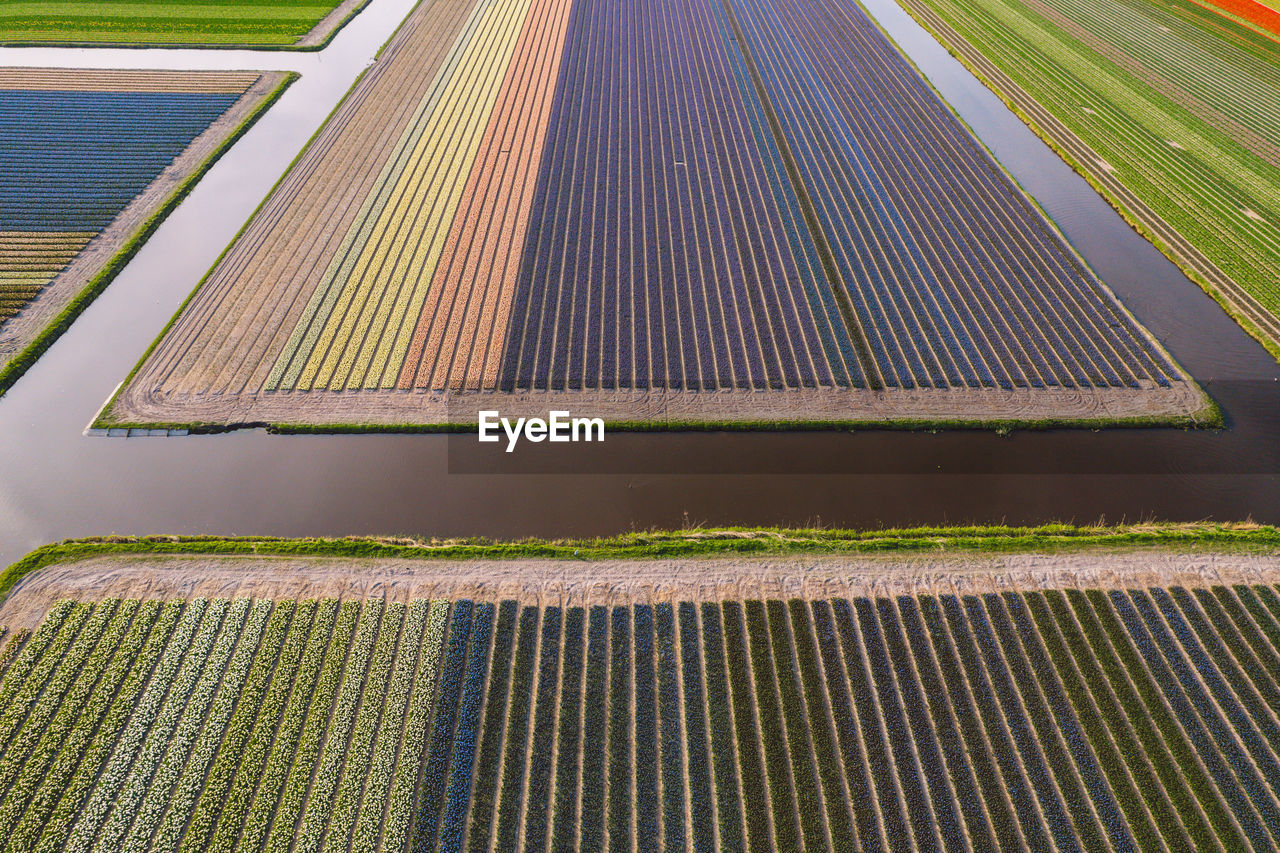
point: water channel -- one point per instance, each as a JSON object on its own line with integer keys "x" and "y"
{"x": 56, "y": 482}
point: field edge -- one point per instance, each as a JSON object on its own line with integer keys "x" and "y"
{"x": 696, "y": 542}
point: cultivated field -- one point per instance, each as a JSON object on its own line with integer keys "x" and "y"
{"x": 1168, "y": 108}
{"x": 663, "y": 211}
{"x": 90, "y": 161}
{"x": 1091, "y": 701}
{"x": 282, "y": 23}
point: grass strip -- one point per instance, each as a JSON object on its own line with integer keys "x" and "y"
{"x": 656, "y": 544}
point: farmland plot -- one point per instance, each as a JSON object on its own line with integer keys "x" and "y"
{"x": 658, "y": 211}
{"x": 1028, "y": 719}
{"x": 89, "y": 162}
{"x": 1167, "y": 107}
{"x": 282, "y": 23}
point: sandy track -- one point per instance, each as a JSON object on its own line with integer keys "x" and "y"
{"x": 18, "y": 333}
{"x": 142, "y": 405}
{"x": 546, "y": 581}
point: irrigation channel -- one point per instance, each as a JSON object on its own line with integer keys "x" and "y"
{"x": 58, "y": 482}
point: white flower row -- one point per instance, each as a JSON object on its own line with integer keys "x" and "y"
{"x": 280, "y": 840}
{"x": 245, "y": 783}
{"x": 184, "y": 797}
{"x": 318, "y": 807}
{"x": 130, "y": 799}
{"x": 360, "y": 751}
{"x": 81, "y": 775}
{"x": 157, "y": 795}
{"x": 395, "y": 833}
{"x": 16, "y": 708}
{"x": 248, "y": 708}
{"x": 47, "y": 740}
{"x": 281, "y": 759}
{"x": 131, "y": 740}
{"x": 390, "y": 732}
{"x": 16, "y": 675}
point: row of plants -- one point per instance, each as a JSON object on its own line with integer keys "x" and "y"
{"x": 69, "y": 685}
{"x": 240, "y": 729}
{"x": 130, "y": 797}
{"x": 70, "y": 730}
{"x": 293, "y": 798}
{"x": 57, "y": 806}
{"x": 391, "y": 730}
{"x": 514, "y": 784}
{"x": 132, "y": 740}
{"x": 435, "y": 770}
{"x": 488, "y": 770}
{"x": 43, "y": 660}
{"x": 266, "y": 799}
{"x": 397, "y": 829}
{"x": 453, "y": 819}
{"x": 158, "y": 790}
{"x": 319, "y": 808}
{"x": 182, "y": 802}
{"x": 564, "y": 793}
{"x": 356, "y": 769}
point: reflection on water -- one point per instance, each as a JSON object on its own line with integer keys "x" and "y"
{"x": 56, "y": 483}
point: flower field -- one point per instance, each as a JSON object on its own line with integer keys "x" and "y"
{"x": 1169, "y": 108}
{"x": 1046, "y": 719}
{"x": 631, "y": 206}
{"x": 88, "y": 159}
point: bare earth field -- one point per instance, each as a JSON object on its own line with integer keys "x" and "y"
{"x": 585, "y": 583}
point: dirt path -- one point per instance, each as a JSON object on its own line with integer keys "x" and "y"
{"x": 619, "y": 581}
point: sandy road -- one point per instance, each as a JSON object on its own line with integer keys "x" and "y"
{"x": 548, "y": 581}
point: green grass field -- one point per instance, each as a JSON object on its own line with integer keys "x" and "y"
{"x": 272, "y": 23}
{"x": 1176, "y": 104}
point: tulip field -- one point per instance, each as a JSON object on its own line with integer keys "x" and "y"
{"x": 1053, "y": 719}
{"x": 1168, "y": 107}
{"x": 632, "y": 206}
{"x": 93, "y": 158}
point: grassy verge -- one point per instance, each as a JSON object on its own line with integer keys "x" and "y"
{"x": 1210, "y": 417}
{"x": 20, "y": 363}
{"x": 85, "y": 35}
{"x": 1244, "y": 536}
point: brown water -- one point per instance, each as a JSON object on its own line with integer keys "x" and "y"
{"x": 56, "y": 482}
